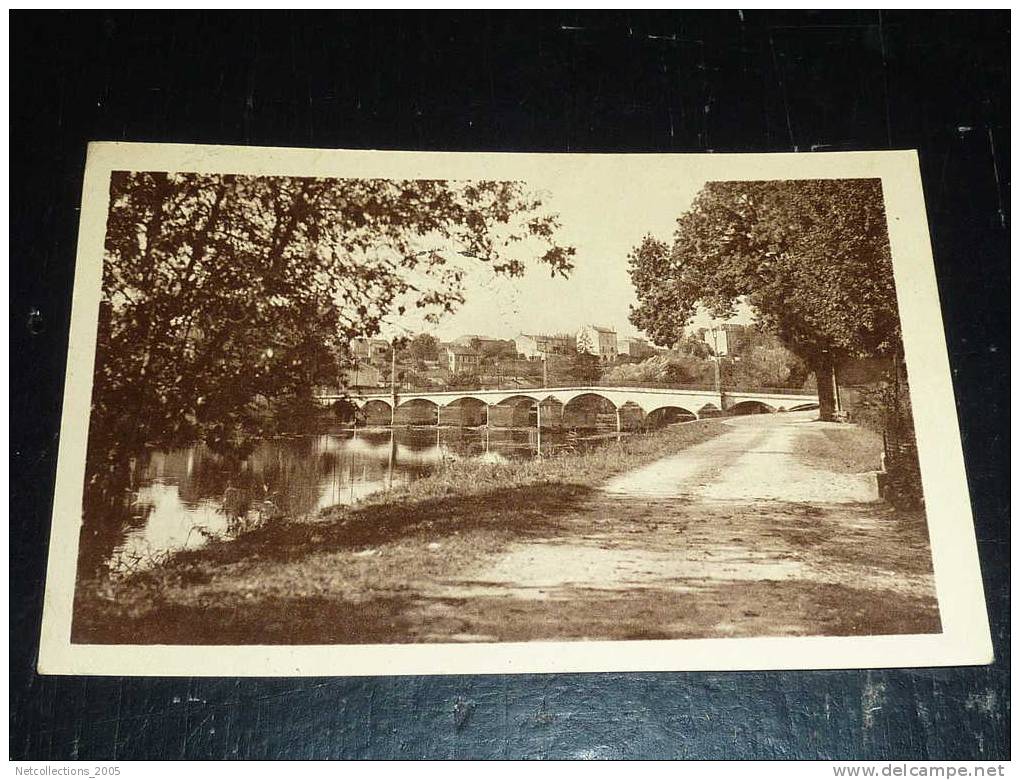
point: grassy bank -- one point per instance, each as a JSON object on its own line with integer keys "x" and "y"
{"x": 344, "y": 575}
{"x": 587, "y": 467}
{"x": 848, "y": 448}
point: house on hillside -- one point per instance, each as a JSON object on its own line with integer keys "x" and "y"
{"x": 598, "y": 341}
{"x": 487, "y": 346}
{"x": 461, "y": 359}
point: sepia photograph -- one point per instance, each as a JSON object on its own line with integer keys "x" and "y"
{"x": 606, "y": 401}
{"x": 505, "y": 385}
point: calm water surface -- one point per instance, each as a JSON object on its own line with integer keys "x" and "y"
{"x": 181, "y": 498}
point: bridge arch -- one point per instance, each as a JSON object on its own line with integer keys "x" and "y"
{"x": 466, "y": 411}
{"x": 518, "y": 410}
{"x": 583, "y": 410}
{"x": 567, "y": 395}
{"x": 344, "y": 409}
{"x": 462, "y": 400}
{"x": 377, "y": 412}
{"x": 666, "y": 414}
{"x": 751, "y": 407}
{"x": 417, "y": 411}
{"x": 590, "y": 395}
{"x": 411, "y": 401}
{"x": 516, "y": 399}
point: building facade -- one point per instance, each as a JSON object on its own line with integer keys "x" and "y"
{"x": 462, "y": 360}
{"x": 598, "y": 341}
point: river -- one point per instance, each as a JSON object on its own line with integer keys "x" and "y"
{"x": 182, "y": 498}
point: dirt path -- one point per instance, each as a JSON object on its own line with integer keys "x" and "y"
{"x": 756, "y": 461}
{"x": 741, "y": 535}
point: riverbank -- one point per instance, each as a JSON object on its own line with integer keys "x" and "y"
{"x": 343, "y": 576}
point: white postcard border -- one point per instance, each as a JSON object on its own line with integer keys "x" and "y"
{"x": 965, "y": 638}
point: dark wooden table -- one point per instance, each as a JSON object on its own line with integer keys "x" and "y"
{"x": 667, "y": 82}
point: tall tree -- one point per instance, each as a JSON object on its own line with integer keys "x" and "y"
{"x": 422, "y": 347}
{"x": 586, "y": 368}
{"x": 226, "y": 295}
{"x": 811, "y": 257}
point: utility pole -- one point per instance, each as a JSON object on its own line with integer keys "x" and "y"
{"x": 393, "y": 382}
{"x": 538, "y": 420}
{"x": 545, "y": 370}
{"x": 717, "y": 365}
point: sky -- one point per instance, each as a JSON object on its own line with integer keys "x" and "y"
{"x": 603, "y": 217}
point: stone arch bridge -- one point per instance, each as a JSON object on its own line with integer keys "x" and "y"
{"x": 555, "y": 406}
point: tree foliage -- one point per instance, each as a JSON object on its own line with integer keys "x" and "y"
{"x": 811, "y": 257}
{"x": 677, "y": 369}
{"x": 422, "y": 347}
{"x": 694, "y": 346}
{"x": 225, "y": 297}
{"x": 586, "y": 368}
{"x": 763, "y": 366}
{"x": 756, "y": 359}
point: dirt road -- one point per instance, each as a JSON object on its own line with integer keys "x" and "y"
{"x": 768, "y": 529}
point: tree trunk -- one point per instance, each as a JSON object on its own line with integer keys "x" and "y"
{"x": 828, "y": 392}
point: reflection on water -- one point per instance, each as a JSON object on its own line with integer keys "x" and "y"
{"x": 181, "y": 498}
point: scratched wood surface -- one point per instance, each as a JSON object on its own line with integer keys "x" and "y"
{"x": 559, "y": 82}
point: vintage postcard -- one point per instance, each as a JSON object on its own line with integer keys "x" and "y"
{"x": 352, "y": 412}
